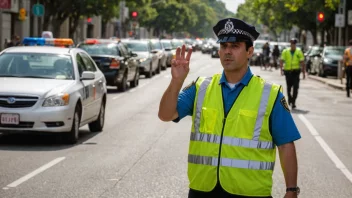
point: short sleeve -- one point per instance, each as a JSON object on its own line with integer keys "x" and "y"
{"x": 283, "y": 55}
{"x": 185, "y": 101}
{"x": 301, "y": 56}
{"x": 282, "y": 125}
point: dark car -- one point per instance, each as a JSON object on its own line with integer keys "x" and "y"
{"x": 214, "y": 51}
{"x": 330, "y": 59}
{"x": 114, "y": 60}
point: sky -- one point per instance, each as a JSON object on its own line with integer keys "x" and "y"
{"x": 232, "y": 5}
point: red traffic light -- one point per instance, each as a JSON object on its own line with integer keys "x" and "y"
{"x": 134, "y": 14}
{"x": 321, "y": 16}
{"x": 89, "y": 20}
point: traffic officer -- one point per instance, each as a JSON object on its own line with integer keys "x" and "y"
{"x": 293, "y": 58}
{"x": 348, "y": 67}
{"x": 238, "y": 120}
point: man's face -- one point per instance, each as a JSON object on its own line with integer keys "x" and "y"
{"x": 293, "y": 45}
{"x": 233, "y": 55}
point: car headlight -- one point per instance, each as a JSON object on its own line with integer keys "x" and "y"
{"x": 327, "y": 60}
{"x": 142, "y": 60}
{"x": 57, "y": 100}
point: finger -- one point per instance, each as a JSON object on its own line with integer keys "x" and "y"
{"x": 173, "y": 63}
{"x": 183, "y": 51}
{"x": 189, "y": 54}
{"x": 178, "y": 53}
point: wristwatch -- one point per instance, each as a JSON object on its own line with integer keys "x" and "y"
{"x": 294, "y": 189}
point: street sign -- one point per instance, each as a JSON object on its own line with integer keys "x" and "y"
{"x": 339, "y": 20}
{"x": 38, "y": 10}
{"x": 349, "y": 17}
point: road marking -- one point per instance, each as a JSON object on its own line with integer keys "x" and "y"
{"x": 326, "y": 148}
{"x": 142, "y": 85}
{"x": 34, "y": 173}
{"x": 118, "y": 96}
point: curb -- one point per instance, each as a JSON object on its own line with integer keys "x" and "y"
{"x": 327, "y": 82}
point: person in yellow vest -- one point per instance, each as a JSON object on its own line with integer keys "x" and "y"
{"x": 294, "y": 60}
{"x": 347, "y": 59}
{"x": 238, "y": 120}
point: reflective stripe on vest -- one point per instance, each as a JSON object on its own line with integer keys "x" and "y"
{"x": 234, "y": 163}
{"x": 254, "y": 143}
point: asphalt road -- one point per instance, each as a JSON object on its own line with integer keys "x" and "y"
{"x": 137, "y": 155}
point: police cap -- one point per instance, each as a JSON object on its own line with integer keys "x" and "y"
{"x": 234, "y": 30}
{"x": 293, "y": 40}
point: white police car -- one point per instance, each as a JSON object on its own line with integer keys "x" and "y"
{"x": 50, "y": 89}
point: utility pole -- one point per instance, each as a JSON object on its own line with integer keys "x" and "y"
{"x": 342, "y": 10}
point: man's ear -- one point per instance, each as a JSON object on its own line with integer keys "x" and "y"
{"x": 250, "y": 52}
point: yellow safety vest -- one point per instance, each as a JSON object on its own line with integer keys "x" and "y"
{"x": 237, "y": 149}
{"x": 292, "y": 61}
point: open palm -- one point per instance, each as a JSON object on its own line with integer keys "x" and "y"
{"x": 180, "y": 65}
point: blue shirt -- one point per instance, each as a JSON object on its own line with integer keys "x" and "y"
{"x": 282, "y": 126}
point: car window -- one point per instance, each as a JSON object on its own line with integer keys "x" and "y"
{"x": 81, "y": 66}
{"x": 137, "y": 47}
{"x": 37, "y": 65}
{"x": 101, "y": 49}
{"x": 156, "y": 45}
{"x": 166, "y": 44}
{"x": 88, "y": 63}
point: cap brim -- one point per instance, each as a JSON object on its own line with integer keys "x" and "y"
{"x": 227, "y": 39}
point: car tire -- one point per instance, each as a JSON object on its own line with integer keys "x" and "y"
{"x": 72, "y": 136}
{"x": 123, "y": 85}
{"x": 135, "y": 81}
{"x": 149, "y": 74}
{"x": 98, "y": 125}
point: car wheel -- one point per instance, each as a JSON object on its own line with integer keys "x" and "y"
{"x": 98, "y": 125}
{"x": 123, "y": 85}
{"x": 135, "y": 81}
{"x": 150, "y": 72}
{"x": 72, "y": 136}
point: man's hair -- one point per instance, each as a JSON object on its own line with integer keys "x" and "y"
{"x": 350, "y": 42}
{"x": 248, "y": 44}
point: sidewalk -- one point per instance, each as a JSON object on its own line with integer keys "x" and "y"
{"x": 332, "y": 82}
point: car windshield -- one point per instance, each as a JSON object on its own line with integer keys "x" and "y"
{"x": 137, "y": 47}
{"x": 166, "y": 44}
{"x": 334, "y": 51}
{"x": 176, "y": 44}
{"x": 36, "y": 65}
{"x": 101, "y": 49}
{"x": 156, "y": 45}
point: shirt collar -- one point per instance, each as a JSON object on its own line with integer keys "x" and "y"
{"x": 245, "y": 80}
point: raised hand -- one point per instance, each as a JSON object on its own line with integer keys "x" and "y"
{"x": 180, "y": 65}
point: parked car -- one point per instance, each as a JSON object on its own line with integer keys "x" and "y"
{"x": 114, "y": 60}
{"x": 50, "y": 89}
{"x": 330, "y": 58}
{"x": 215, "y": 51}
{"x": 160, "y": 52}
{"x": 166, "y": 43}
{"x": 312, "y": 59}
{"x": 148, "y": 59}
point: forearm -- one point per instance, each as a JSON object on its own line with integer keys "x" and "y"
{"x": 288, "y": 159}
{"x": 168, "y": 103}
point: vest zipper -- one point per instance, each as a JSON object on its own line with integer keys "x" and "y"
{"x": 223, "y": 127}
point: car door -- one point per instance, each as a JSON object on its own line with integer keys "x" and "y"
{"x": 154, "y": 56}
{"x": 97, "y": 84}
{"x": 128, "y": 60}
{"x": 87, "y": 92}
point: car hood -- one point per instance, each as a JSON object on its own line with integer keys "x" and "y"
{"x": 142, "y": 54}
{"x": 33, "y": 86}
{"x": 334, "y": 57}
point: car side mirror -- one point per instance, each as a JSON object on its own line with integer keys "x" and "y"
{"x": 167, "y": 49}
{"x": 154, "y": 51}
{"x": 88, "y": 75}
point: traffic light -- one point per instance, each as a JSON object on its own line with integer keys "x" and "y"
{"x": 321, "y": 17}
{"x": 134, "y": 14}
{"x": 22, "y": 14}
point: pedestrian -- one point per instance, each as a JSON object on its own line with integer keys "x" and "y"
{"x": 348, "y": 67}
{"x": 294, "y": 65}
{"x": 266, "y": 55}
{"x": 15, "y": 41}
{"x": 276, "y": 54}
{"x": 238, "y": 120}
